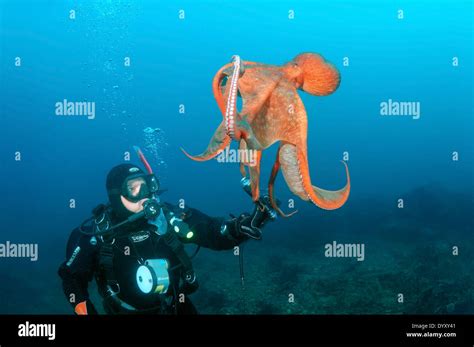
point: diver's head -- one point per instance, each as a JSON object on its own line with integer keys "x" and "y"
{"x": 128, "y": 187}
{"x": 313, "y": 74}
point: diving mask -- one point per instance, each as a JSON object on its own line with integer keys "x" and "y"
{"x": 139, "y": 187}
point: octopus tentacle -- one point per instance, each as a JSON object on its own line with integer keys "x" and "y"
{"x": 231, "y": 107}
{"x": 219, "y": 141}
{"x": 243, "y": 146}
{"x": 244, "y": 131}
{"x": 216, "y": 87}
{"x": 217, "y": 81}
{"x": 243, "y": 172}
{"x": 271, "y": 182}
{"x": 295, "y": 170}
{"x": 253, "y": 163}
{"x": 221, "y": 138}
{"x": 254, "y": 171}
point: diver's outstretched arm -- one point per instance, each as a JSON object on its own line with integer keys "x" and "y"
{"x": 219, "y": 233}
{"x": 205, "y": 231}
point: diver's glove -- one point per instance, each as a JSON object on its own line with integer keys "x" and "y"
{"x": 85, "y": 308}
{"x": 249, "y": 225}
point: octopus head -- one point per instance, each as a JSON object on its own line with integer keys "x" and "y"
{"x": 311, "y": 73}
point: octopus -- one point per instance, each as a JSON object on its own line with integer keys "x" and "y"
{"x": 272, "y": 111}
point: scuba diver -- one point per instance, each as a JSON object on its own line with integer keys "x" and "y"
{"x": 134, "y": 246}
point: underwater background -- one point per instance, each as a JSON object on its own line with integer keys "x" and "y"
{"x": 422, "y": 54}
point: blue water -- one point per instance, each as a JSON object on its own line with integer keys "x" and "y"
{"x": 173, "y": 62}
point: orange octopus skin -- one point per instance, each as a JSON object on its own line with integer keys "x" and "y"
{"x": 272, "y": 111}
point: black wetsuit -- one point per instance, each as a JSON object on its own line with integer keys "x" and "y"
{"x": 133, "y": 244}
